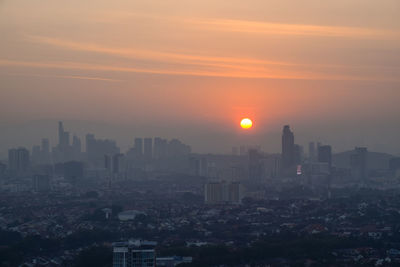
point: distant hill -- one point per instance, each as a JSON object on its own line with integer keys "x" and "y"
{"x": 376, "y": 160}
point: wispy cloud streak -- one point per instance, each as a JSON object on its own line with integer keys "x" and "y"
{"x": 257, "y": 27}
{"x": 227, "y": 74}
{"x": 75, "y": 77}
{"x": 260, "y": 27}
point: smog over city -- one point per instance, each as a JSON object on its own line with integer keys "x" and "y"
{"x": 199, "y": 133}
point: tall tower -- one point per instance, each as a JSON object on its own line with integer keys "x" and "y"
{"x": 311, "y": 151}
{"x": 148, "y": 148}
{"x": 18, "y": 159}
{"x": 288, "y": 148}
{"x": 325, "y": 155}
{"x": 138, "y": 145}
{"x": 60, "y": 133}
{"x": 359, "y": 163}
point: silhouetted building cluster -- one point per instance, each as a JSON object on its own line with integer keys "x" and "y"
{"x": 65, "y": 150}
{"x": 103, "y": 162}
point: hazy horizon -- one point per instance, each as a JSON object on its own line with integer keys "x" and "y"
{"x": 14, "y": 135}
{"x": 192, "y": 69}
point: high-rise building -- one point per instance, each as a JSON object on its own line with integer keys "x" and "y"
{"x": 18, "y": 159}
{"x": 63, "y": 151}
{"x": 311, "y": 152}
{"x": 148, "y": 148}
{"x": 358, "y": 163}
{"x": 256, "y": 167}
{"x": 298, "y": 154}
{"x": 160, "y": 148}
{"x": 198, "y": 166}
{"x": 45, "y": 151}
{"x": 97, "y": 148}
{"x": 138, "y": 146}
{"x": 114, "y": 163}
{"x": 108, "y": 162}
{"x": 63, "y": 136}
{"x": 60, "y": 133}
{"x": 325, "y": 155}
{"x": 272, "y": 166}
{"x": 288, "y": 148}
{"x": 176, "y": 148}
{"x": 76, "y": 144}
{"x": 66, "y": 140}
{"x": 134, "y": 253}
{"x": 118, "y": 160}
{"x": 90, "y": 143}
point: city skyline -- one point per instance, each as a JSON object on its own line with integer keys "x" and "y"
{"x": 124, "y": 135}
{"x": 329, "y": 70}
{"x": 199, "y": 133}
{"x": 57, "y": 139}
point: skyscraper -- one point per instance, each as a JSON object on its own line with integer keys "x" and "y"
{"x": 256, "y": 167}
{"x": 18, "y": 159}
{"x": 90, "y": 143}
{"x": 298, "y": 154}
{"x": 97, "y": 148}
{"x": 60, "y": 133}
{"x": 114, "y": 163}
{"x": 117, "y": 162}
{"x": 176, "y": 148}
{"x": 288, "y": 148}
{"x": 76, "y": 148}
{"x": 311, "y": 151}
{"x": 63, "y": 136}
{"x": 76, "y": 144}
{"x": 160, "y": 148}
{"x": 138, "y": 146}
{"x": 325, "y": 155}
{"x": 358, "y": 163}
{"x": 148, "y": 148}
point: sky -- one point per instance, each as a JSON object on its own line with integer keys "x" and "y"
{"x": 193, "y": 69}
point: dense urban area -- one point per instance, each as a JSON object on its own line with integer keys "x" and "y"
{"x": 164, "y": 205}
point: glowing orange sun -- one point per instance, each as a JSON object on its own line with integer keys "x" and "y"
{"x": 246, "y": 123}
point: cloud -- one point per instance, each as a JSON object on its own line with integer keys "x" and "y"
{"x": 227, "y": 74}
{"x": 256, "y": 27}
{"x": 77, "y": 77}
{"x": 153, "y": 55}
{"x": 200, "y": 65}
{"x": 270, "y": 28}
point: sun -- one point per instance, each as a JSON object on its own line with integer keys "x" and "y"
{"x": 246, "y": 123}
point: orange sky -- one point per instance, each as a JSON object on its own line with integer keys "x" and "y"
{"x": 203, "y": 64}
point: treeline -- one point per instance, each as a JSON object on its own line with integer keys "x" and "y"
{"x": 14, "y": 249}
{"x": 271, "y": 251}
